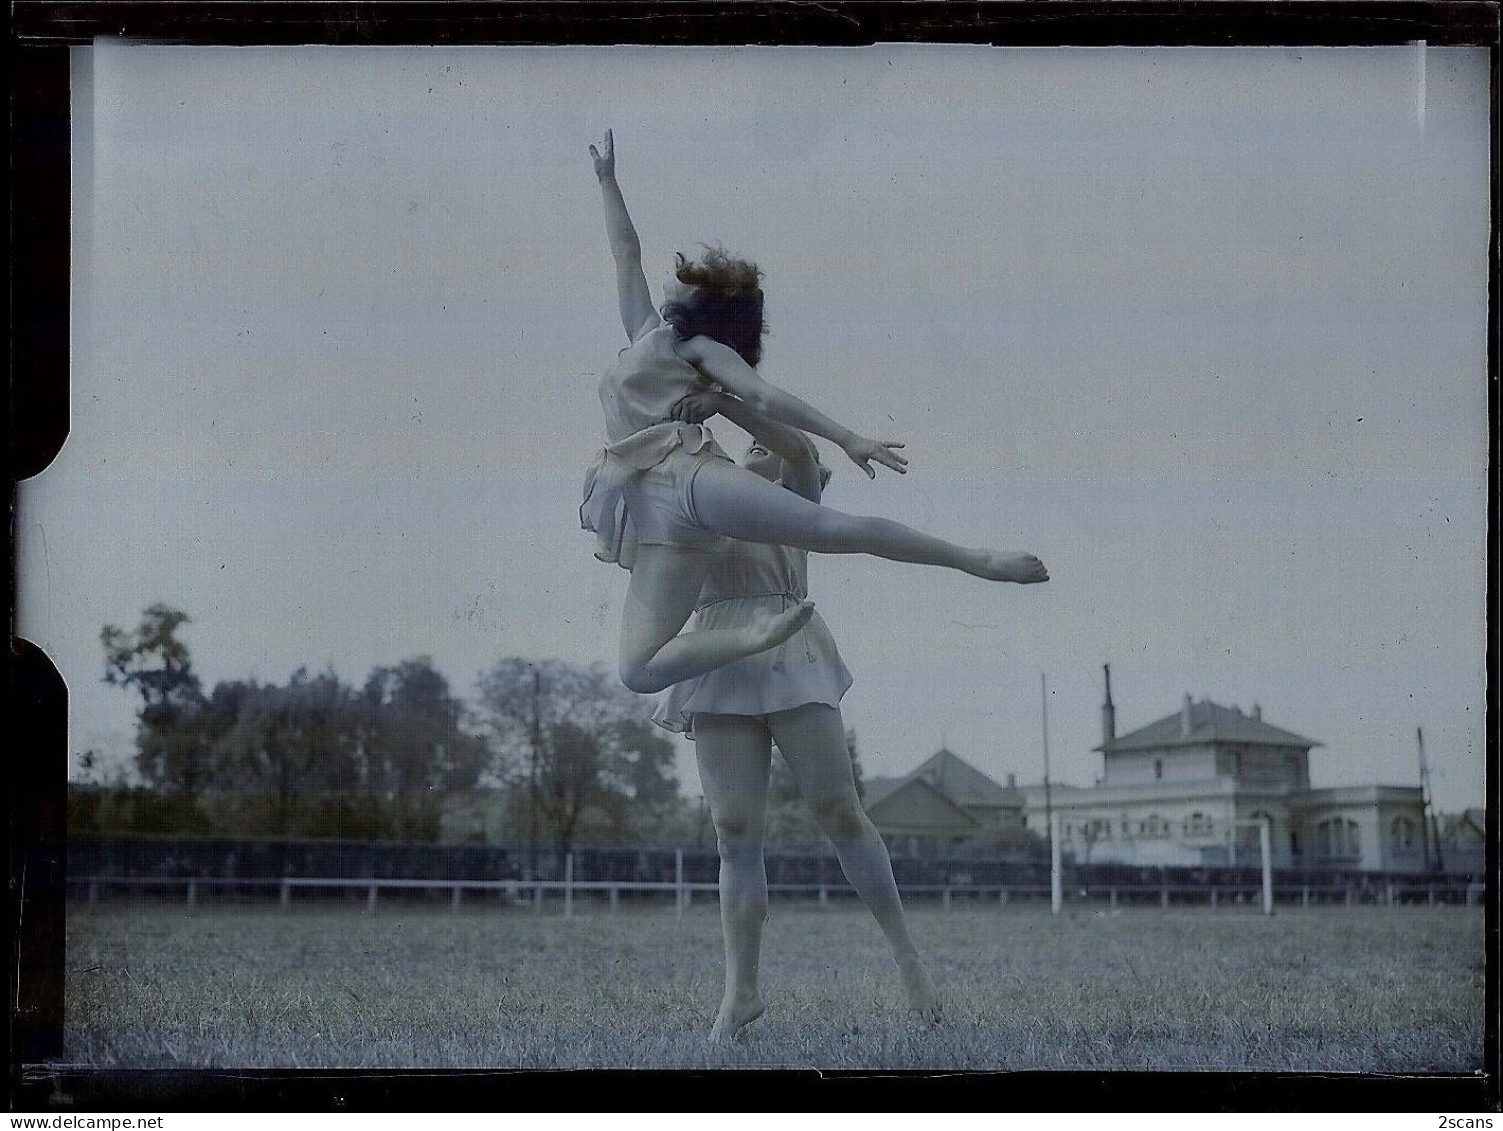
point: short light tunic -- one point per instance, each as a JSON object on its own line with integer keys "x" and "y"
{"x": 638, "y": 393}
{"x": 747, "y": 578}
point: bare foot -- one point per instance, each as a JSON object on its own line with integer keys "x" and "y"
{"x": 736, "y": 1012}
{"x": 768, "y": 630}
{"x": 1001, "y": 565}
{"x": 923, "y": 998}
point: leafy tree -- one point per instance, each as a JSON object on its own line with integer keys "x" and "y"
{"x": 576, "y": 743}
{"x": 154, "y": 662}
{"x": 412, "y": 745}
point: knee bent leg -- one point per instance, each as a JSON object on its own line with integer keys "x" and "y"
{"x": 841, "y": 818}
{"x": 736, "y": 839}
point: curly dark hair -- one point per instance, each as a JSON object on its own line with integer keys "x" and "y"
{"x": 727, "y": 302}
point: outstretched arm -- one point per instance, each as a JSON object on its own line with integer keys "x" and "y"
{"x": 637, "y": 312}
{"x": 725, "y": 367}
{"x": 799, "y": 455}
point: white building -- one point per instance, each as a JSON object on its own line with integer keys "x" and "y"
{"x": 1172, "y": 792}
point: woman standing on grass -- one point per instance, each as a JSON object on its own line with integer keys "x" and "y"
{"x": 789, "y": 696}
{"x": 663, "y": 497}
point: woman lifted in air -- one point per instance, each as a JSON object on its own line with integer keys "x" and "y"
{"x": 663, "y": 496}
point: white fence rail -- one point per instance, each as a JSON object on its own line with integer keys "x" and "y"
{"x": 681, "y": 894}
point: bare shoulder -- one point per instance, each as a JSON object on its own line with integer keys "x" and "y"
{"x": 704, "y": 350}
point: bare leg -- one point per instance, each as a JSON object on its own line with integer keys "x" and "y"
{"x": 665, "y": 584}
{"x": 734, "y": 754}
{"x": 733, "y": 501}
{"x": 812, "y": 739}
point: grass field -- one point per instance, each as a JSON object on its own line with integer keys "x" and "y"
{"x": 1359, "y": 989}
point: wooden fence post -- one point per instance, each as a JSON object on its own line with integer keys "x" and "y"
{"x": 678, "y": 882}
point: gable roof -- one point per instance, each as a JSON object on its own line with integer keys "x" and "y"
{"x": 1209, "y": 723}
{"x": 963, "y": 782}
{"x": 932, "y": 802}
{"x": 953, "y": 776}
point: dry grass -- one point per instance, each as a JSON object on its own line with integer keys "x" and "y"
{"x": 1362, "y": 989}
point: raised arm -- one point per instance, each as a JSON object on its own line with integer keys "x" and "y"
{"x": 725, "y": 367}
{"x": 638, "y": 314}
{"x": 799, "y": 455}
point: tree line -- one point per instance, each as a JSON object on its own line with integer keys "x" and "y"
{"x": 555, "y": 753}
{"x": 316, "y": 756}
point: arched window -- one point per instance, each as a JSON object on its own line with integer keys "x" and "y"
{"x": 1338, "y": 839}
{"x": 1249, "y": 836}
{"x": 1402, "y": 832}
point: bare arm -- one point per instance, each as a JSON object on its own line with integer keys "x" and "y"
{"x": 637, "y": 312}
{"x": 725, "y": 367}
{"x": 799, "y": 455}
{"x": 779, "y": 439}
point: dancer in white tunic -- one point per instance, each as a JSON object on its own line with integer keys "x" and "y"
{"x": 662, "y": 495}
{"x": 789, "y": 695}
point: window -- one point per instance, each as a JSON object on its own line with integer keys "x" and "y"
{"x": 1401, "y": 832}
{"x": 1153, "y": 826}
{"x": 1338, "y": 839}
{"x": 1249, "y": 837}
{"x": 1158, "y": 769}
{"x": 1197, "y": 824}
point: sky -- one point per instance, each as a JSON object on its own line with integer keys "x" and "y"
{"x": 1205, "y": 329}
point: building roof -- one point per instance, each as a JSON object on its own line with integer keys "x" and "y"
{"x": 1210, "y": 723}
{"x": 953, "y": 776}
{"x": 912, "y": 800}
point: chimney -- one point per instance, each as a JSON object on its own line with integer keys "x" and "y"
{"x": 1108, "y": 710}
{"x": 1257, "y": 711}
{"x": 1012, "y": 781}
{"x": 1184, "y": 718}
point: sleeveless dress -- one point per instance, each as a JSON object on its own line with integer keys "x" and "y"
{"x": 746, "y": 578}
{"x": 648, "y": 456}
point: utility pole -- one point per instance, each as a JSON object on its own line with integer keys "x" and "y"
{"x": 1429, "y": 821}
{"x": 537, "y": 742}
{"x": 1048, "y": 800}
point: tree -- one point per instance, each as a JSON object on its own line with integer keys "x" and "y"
{"x": 412, "y": 745}
{"x": 154, "y": 662}
{"x": 575, "y": 743}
